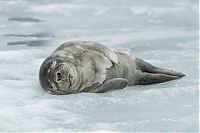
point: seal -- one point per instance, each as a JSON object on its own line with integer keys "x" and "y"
{"x": 87, "y": 66}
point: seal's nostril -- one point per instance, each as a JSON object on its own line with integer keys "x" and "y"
{"x": 59, "y": 76}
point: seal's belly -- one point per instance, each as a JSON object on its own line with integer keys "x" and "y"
{"x": 125, "y": 69}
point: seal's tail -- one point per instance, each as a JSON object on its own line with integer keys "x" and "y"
{"x": 151, "y": 74}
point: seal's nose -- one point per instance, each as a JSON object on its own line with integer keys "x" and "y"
{"x": 59, "y": 76}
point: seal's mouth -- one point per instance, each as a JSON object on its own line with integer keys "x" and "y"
{"x": 62, "y": 78}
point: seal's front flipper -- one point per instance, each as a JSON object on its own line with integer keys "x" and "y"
{"x": 112, "y": 84}
{"x": 150, "y": 78}
{"x": 147, "y": 67}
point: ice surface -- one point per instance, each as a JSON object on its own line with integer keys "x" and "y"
{"x": 164, "y": 33}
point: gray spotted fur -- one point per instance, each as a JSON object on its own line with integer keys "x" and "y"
{"x": 99, "y": 69}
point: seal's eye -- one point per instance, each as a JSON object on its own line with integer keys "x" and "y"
{"x": 59, "y": 76}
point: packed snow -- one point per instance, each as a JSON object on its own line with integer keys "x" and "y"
{"x": 164, "y": 33}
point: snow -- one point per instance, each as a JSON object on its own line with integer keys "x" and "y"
{"x": 164, "y": 33}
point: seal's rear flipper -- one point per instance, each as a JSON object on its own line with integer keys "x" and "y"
{"x": 112, "y": 84}
{"x": 147, "y": 67}
{"x": 150, "y": 78}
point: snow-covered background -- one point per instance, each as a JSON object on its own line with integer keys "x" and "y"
{"x": 163, "y": 32}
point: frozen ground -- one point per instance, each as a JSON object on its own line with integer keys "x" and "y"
{"x": 164, "y": 33}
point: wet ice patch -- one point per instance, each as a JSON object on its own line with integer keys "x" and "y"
{"x": 35, "y": 35}
{"x": 24, "y": 19}
{"x": 29, "y": 43}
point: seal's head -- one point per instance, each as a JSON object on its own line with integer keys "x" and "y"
{"x": 56, "y": 75}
